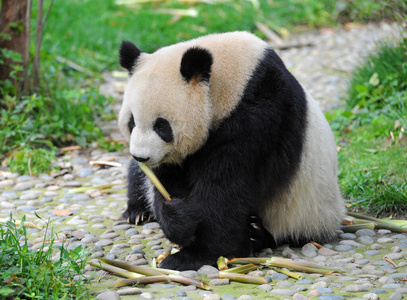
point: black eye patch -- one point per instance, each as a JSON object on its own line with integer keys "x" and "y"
{"x": 131, "y": 123}
{"x": 163, "y": 128}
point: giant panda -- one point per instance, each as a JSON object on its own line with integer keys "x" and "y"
{"x": 236, "y": 140}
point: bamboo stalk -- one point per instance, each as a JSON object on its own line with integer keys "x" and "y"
{"x": 136, "y": 269}
{"x": 356, "y": 227}
{"x": 288, "y": 273}
{"x": 402, "y": 223}
{"x": 299, "y": 266}
{"x": 98, "y": 187}
{"x": 242, "y": 277}
{"x": 242, "y": 269}
{"x": 190, "y": 281}
{"x": 142, "y": 280}
{"x": 115, "y": 270}
{"x": 222, "y": 263}
{"x": 150, "y": 174}
{"x": 249, "y": 260}
{"x": 163, "y": 255}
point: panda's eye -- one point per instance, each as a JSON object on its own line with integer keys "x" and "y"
{"x": 131, "y": 124}
{"x": 163, "y": 128}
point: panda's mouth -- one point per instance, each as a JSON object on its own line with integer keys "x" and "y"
{"x": 157, "y": 164}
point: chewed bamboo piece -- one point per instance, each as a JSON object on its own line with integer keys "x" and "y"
{"x": 242, "y": 277}
{"x": 150, "y": 174}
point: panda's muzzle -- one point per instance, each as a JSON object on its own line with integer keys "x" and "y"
{"x": 141, "y": 159}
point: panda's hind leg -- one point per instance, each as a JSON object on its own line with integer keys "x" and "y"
{"x": 138, "y": 210}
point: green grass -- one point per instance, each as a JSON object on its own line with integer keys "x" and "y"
{"x": 35, "y": 274}
{"x": 372, "y": 134}
{"x": 91, "y": 37}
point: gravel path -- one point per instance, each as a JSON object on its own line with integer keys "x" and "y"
{"x": 92, "y": 219}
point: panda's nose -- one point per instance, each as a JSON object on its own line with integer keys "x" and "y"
{"x": 141, "y": 159}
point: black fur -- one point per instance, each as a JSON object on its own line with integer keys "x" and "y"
{"x": 196, "y": 63}
{"x": 131, "y": 123}
{"x": 253, "y": 153}
{"x": 128, "y": 55}
{"x": 163, "y": 129}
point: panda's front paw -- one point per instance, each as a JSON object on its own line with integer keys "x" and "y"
{"x": 136, "y": 216}
{"x": 186, "y": 260}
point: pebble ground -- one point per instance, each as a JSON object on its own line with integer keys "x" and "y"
{"x": 92, "y": 219}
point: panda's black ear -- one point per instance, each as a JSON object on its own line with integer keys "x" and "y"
{"x": 128, "y": 55}
{"x": 196, "y": 64}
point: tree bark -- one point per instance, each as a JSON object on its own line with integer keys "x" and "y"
{"x": 13, "y": 12}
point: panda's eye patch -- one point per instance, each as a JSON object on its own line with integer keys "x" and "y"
{"x": 131, "y": 124}
{"x": 163, "y": 128}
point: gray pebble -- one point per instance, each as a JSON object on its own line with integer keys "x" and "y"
{"x": 343, "y": 248}
{"x": 395, "y": 256}
{"x": 365, "y": 232}
{"x": 265, "y": 287}
{"x": 152, "y": 225}
{"x": 395, "y": 296}
{"x": 122, "y": 227}
{"x": 131, "y": 231}
{"x": 190, "y": 274}
{"x": 372, "y": 252}
{"x": 111, "y": 256}
{"x": 347, "y": 236}
{"x": 245, "y": 297}
{"x": 181, "y": 294}
{"x": 129, "y": 291}
{"x": 284, "y": 284}
{"x": 365, "y": 239}
{"x": 278, "y": 276}
{"x": 104, "y": 243}
{"x": 207, "y": 270}
{"x": 299, "y": 297}
{"x": 282, "y": 292}
{"x": 391, "y": 286}
{"x": 309, "y": 250}
{"x": 71, "y": 184}
{"x": 298, "y": 288}
{"x": 80, "y": 197}
{"x": 228, "y": 296}
{"x": 399, "y": 236}
{"x": 355, "y": 288}
{"x": 23, "y": 186}
{"x": 216, "y": 282}
{"x": 110, "y": 235}
{"x": 108, "y": 296}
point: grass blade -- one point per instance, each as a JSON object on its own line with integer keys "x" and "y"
{"x": 242, "y": 278}
{"x": 150, "y": 174}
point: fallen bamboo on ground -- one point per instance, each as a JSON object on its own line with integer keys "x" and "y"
{"x": 136, "y": 269}
{"x": 242, "y": 269}
{"x": 116, "y": 270}
{"x": 26, "y": 224}
{"x": 95, "y": 187}
{"x": 222, "y": 263}
{"x": 392, "y": 225}
{"x": 285, "y": 263}
{"x": 142, "y": 280}
{"x": 242, "y": 277}
{"x": 287, "y": 272}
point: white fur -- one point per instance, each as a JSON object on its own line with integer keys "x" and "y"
{"x": 312, "y": 204}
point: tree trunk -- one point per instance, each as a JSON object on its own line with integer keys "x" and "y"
{"x": 12, "y": 22}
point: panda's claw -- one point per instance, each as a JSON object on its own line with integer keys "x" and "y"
{"x": 137, "y": 220}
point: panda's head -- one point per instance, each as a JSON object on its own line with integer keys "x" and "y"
{"x": 166, "y": 113}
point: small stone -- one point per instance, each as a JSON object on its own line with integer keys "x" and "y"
{"x": 104, "y": 243}
{"x": 278, "y": 276}
{"x": 212, "y": 297}
{"x": 395, "y": 256}
{"x": 365, "y": 239}
{"x": 385, "y": 240}
{"x": 402, "y": 290}
{"x": 347, "y": 236}
{"x": 282, "y": 292}
{"x": 131, "y": 231}
{"x": 331, "y": 297}
{"x": 319, "y": 285}
{"x": 313, "y": 293}
{"x": 326, "y": 251}
{"x": 398, "y": 276}
{"x": 284, "y": 284}
{"x": 309, "y": 250}
{"x": 342, "y": 248}
{"x": 108, "y": 296}
{"x": 152, "y": 225}
{"x": 298, "y": 288}
{"x": 372, "y": 252}
{"x": 370, "y": 296}
{"x": 190, "y": 274}
{"x": 246, "y": 297}
{"x": 109, "y": 235}
{"x": 23, "y": 186}
{"x": 228, "y": 296}
{"x": 395, "y": 296}
{"x": 383, "y": 231}
{"x": 122, "y": 227}
{"x": 265, "y": 287}
{"x": 129, "y": 291}
{"x": 216, "y": 282}
{"x": 355, "y": 288}
{"x": 304, "y": 281}
{"x": 365, "y": 232}
{"x": 391, "y": 286}
{"x": 10, "y": 195}
{"x": 299, "y": 297}
{"x": 154, "y": 243}
{"x": 325, "y": 291}
{"x": 80, "y": 197}
{"x": 207, "y": 270}
{"x": 181, "y": 294}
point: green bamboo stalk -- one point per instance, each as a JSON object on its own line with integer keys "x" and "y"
{"x": 242, "y": 277}
{"x": 142, "y": 280}
{"x": 356, "y": 227}
{"x": 242, "y": 269}
{"x": 190, "y": 281}
{"x": 136, "y": 269}
{"x": 288, "y": 273}
{"x": 401, "y": 223}
{"x": 299, "y": 266}
{"x": 98, "y": 187}
{"x": 222, "y": 263}
{"x": 115, "y": 270}
{"x": 248, "y": 260}
{"x": 150, "y": 174}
